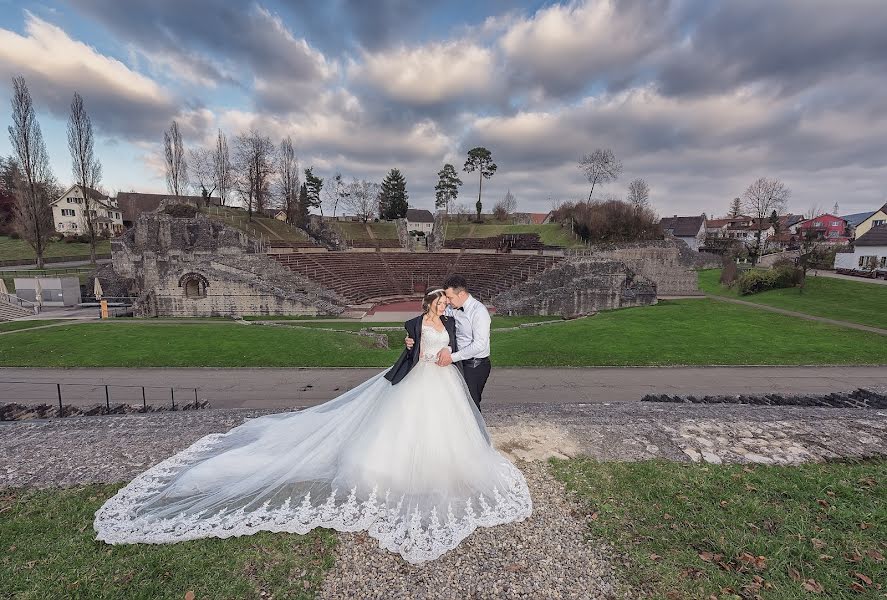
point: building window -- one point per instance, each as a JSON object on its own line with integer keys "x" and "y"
{"x": 194, "y": 285}
{"x": 878, "y": 222}
{"x": 68, "y": 212}
{"x": 883, "y": 261}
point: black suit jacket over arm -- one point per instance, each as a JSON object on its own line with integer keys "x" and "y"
{"x": 409, "y": 358}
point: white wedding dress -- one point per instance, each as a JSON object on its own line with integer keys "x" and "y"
{"x": 412, "y": 464}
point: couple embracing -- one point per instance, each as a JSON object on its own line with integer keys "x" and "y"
{"x": 404, "y": 456}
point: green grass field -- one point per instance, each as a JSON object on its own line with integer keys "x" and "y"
{"x": 49, "y": 551}
{"x": 708, "y": 531}
{"x": 682, "y": 332}
{"x": 20, "y": 325}
{"x": 271, "y": 229}
{"x": 350, "y": 230}
{"x": 551, "y": 233}
{"x": 853, "y": 301}
{"x": 11, "y": 249}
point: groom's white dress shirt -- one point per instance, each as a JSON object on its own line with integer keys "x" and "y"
{"x": 472, "y": 329}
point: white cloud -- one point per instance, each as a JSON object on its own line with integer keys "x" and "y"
{"x": 433, "y": 74}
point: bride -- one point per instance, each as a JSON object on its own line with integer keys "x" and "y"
{"x": 409, "y": 462}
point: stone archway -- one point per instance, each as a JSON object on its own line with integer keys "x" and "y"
{"x": 194, "y": 285}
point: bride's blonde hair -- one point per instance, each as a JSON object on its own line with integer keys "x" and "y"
{"x": 432, "y": 294}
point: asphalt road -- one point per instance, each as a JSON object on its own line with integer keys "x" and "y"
{"x": 278, "y": 388}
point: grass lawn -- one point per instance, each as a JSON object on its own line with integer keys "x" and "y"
{"x": 351, "y": 230}
{"x": 49, "y": 551}
{"x": 550, "y": 233}
{"x": 852, "y": 301}
{"x": 19, "y": 325}
{"x": 680, "y": 332}
{"x": 272, "y": 229}
{"x": 11, "y": 249}
{"x": 707, "y": 531}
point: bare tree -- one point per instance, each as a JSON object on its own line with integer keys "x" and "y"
{"x": 288, "y": 179}
{"x": 224, "y": 172}
{"x": 33, "y": 178}
{"x": 639, "y": 193}
{"x": 202, "y": 167}
{"x": 600, "y": 167}
{"x": 176, "y": 165}
{"x": 254, "y": 162}
{"x": 505, "y": 207}
{"x": 362, "y": 198}
{"x": 86, "y": 169}
{"x": 335, "y": 193}
{"x": 760, "y": 200}
{"x": 813, "y": 211}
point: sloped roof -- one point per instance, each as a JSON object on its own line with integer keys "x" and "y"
{"x": 538, "y": 218}
{"x": 876, "y": 236}
{"x": 419, "y": 215}
{"x": 683, "y": 226}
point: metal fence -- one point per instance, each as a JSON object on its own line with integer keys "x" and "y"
{"x": 55, "y": 394}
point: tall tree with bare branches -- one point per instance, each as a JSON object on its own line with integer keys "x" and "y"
{"x": 288, "y": 179}
{"x": 760, "y": 199}
{"x": 600, "y": 167}
{"x": 224, "y": 172}
{"x": 202, "y": 171}
{"x": 33, "y": 177}
{"x": 86, "y": 169}
{"x": 362, "y": 198}
{"x": 639, "y": 193}
{"x": 176, "y": 164}
{"x": 254, "y": 163}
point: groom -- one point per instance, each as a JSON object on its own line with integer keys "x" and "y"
{"x": 472, "y": 336}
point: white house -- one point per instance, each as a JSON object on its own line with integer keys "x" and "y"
{"x": 68, "y": 212}
{"x": 869, "y": 256}
{"x": 419, "y": 219}
{"x": 689, "y": 229}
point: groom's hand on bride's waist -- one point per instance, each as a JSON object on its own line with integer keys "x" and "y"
{"x": 444, "y": 358}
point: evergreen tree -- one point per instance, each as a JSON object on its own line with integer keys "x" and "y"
{"x": 302, "y": 207}
{"x": 735, "y": 208}
{"x": 313, "y": 184}
{"x": 480, "y": 159}
{"x": 393, "y": 200}
{"x": 447, "y": 188}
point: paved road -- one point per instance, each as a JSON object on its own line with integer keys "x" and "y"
{"x": 834, "y": 275}
{"x": 55, "y": 265}
{"x": 277, "y": 388}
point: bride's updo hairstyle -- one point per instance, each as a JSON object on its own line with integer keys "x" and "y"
{"x": 431, "y": 296}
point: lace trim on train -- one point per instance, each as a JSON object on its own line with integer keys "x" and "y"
{"x": 116, "y": 521}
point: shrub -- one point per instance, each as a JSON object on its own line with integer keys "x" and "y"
{"x": 14, "y": 235}
{"x": 754, "y": 281}
{"x": 181, "y": 211}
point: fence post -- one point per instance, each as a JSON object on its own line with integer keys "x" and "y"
{"x": 144, "y": 402}
{"x": 58, "y": 389}
{"x": 107, "y": 399}
{"x": 195, "y": 398}
{"x": 172, "y": 395}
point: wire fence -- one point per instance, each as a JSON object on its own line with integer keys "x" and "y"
{"x": 57, "y": 392}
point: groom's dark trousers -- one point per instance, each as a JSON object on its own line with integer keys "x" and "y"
{"x": 476, "y": 372}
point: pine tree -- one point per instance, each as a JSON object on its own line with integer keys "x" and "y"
{"x": 735, "y": 208}
{"x": 393, "y": 200}
{"x": 313, "y": 184}
{"x": 447, "y": 188}
{"x": 480, "y": 159}
{"x": 302, "y": 207}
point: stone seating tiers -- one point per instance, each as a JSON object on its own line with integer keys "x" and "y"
{"x": 362, "y": 277}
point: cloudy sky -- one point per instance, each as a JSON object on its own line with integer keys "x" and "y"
{"x": 698, "y": 97}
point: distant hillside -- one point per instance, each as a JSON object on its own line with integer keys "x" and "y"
{"x": 551, "y": 234}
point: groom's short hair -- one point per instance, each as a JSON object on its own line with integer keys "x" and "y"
{"x": 457, "y": 282}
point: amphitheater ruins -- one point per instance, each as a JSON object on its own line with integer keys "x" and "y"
{"x": 196, "y": 266}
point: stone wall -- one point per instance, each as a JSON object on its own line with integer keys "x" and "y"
{"x": 200, "y": 267}
{"x": 579, "y": 286}
{"x": 669, "y": 264}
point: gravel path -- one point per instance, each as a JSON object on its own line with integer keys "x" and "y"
{"x": 545, "y": 556}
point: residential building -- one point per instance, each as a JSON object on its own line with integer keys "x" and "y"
{"x": 861, "y": 223}
{"x": 419, "y": 219}
{"x": 827, "y": 228}
{"x": 869, "y": 254}
{"x": 691, "y": 230}
{"x": 69, "y": 212}
{"x": 132, "y": 204}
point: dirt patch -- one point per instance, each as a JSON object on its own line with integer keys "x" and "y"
{"x": 534, "y": 442}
